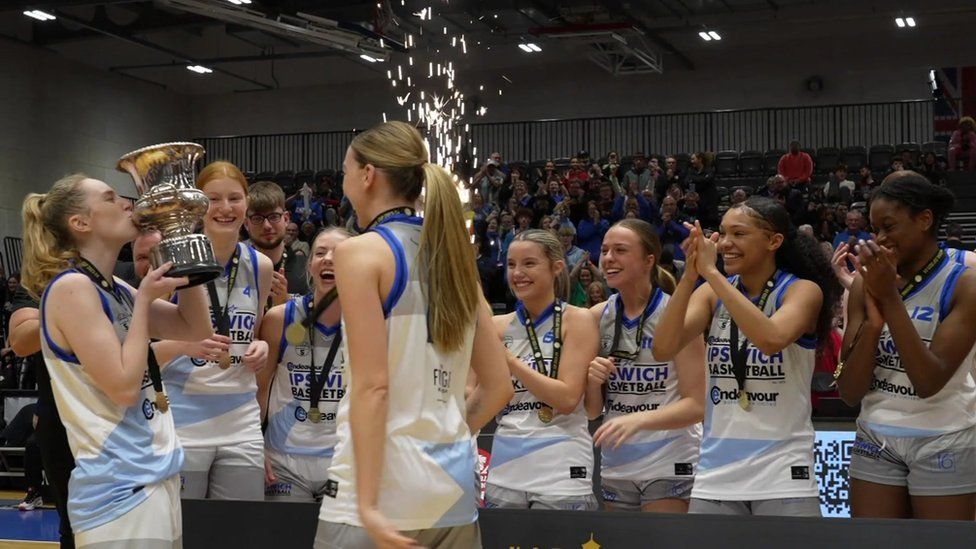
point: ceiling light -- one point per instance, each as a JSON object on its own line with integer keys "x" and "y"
{"x": 910, "y": 21}
{"x": 199, "y": 69}
{"x": 534, "y": 47}
{"x": 714, "y": 35}
{"x": 525, "y": 48}
{"x": 705, "y": 36}
{"x": 40, "y": 15}
{"x": 900, "y": 22}
{"x": 369, "y": 58}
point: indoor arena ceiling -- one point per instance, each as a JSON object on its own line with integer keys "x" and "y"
{"x": 253, "y": 45}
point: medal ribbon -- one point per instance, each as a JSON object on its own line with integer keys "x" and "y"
{"x": 615, "y": 351}
{"x": 318, "y": 381}
{"x": 392, "y": 212}
{"x": 924, "y": 274}
{"x": 220, "y": 311}
{"x": 557, "y": 344}
{"x": 123, "y": 298}
{"x": 739, "y": 352}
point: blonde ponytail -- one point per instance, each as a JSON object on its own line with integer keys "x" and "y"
{"x": 48, "y": 245}
{"x": 663, "y": 279}
{"x": 445, "y": 249}
{"x": 450, "y": 272}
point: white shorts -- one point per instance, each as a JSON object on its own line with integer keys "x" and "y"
{"x": 781, "y": 507}
{"x": 224, "y": 472}
{"x": 156, "y": 523}
{"x": 503, "y": 498}
{"x": 632, "y": 496}
{"x": 299, "y": 478}
{"x": 940, "y": 465}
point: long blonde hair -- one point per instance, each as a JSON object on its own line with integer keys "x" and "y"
{"x": 398, "y": 150}
{"x": 553, "y": 249}
{"x": 48, "y": 244}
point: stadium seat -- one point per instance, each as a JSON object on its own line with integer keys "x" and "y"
{"x": 304, "y": 176}
{"x": 726, "y": 163}
{"x": 854, "y": 157}
{"x": 937, "y": 147}
{"x": 771, "y": 160}
{"x": 913, "y": 148}
{"x": 827, "y": 159}
{"x": 264, "y": 176}
{"x": 683, "y": 160}
{"x": 879, "y": 157}
{"x": 751, "y": 163}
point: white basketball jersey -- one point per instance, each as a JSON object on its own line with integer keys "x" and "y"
{"x": 527, "y": 454}
{"x": 290, "y": 431}
{"x": 641, "y": 385}
{"x": 119, "y": 451}
{"x": 892, "y": 406}
{"x": 211, "y": 406}
{"x": 766, "y": 452}
{"x": 427, "y": 479}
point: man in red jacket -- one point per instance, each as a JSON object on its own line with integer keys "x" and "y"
{"x": 796, "y": 166}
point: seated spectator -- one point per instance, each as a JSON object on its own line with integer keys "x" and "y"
{"x": 580, "y": 278}
{"x": 672, "y": 176}
{"x": 865, "y": 183}
{"x": 611, "y": 169}
{"x": 638, "y": 174}
{"x": 738, "y": 196}
{"x": 657, "y": 174}
{"x": 778, "y": 189}
{"x": 795, "y": 166}
{"x": 291, "y": 239}
{"x": 523, "y": 220}
{"x": 496, "y": 157}
{"x": 806, "y": 229}
{"x": 520, "y": 194}
{"x": 596, "y": 293}
{"x": 671, "y": 229}
{"x": 670, "y": 264}
{"x": 954, "y": 236}
{"x": 906, "y": 160}
{"x": 556, "y": 190}
{"x": 590, "y": 231}
{"x": 691, "y": 207}
{"x": 962, "y": 146}
{"x": 576, "y": 172}
{"x": 832, "y": 190}
{"x": 312, "y": 212}
{"x": 492, "y": 274}
{"x": 567, "y": 234}
{"x": 494, "y": 239}
{"x": 932, "y": 169}
{"x": 632, "y": 201}
{"x": 547, "y": 172}
{"x": 896, "y": 166}
{"x": 855, "y": 223}
{"x": 576, "y": 202}
{"x": 488, "y": 181}
{"x": 701, "y": 180}
{"x": 517, "y": 175}
{"x": 545, "y": 223}
{"x": 541, "y": 204}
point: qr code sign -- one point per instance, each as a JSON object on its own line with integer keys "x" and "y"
{"x": 832, "y": 458}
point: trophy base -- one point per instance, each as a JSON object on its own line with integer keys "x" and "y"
{"x": 192, "y": 256}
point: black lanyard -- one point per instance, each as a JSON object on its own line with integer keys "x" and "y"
{"x": 318, "y": 381}
{"x": 121, "y": 296}
{"x": 739, "y": 352}
{"x": 283, "y": 262}
{"x": 557, "y": 343}
{"x": 392, "y": 212}
{"x": 924, "y": 274}
{"x": 618, "y": 329}
{"x": 220, "y": 311}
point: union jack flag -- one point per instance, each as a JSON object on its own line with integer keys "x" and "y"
{"x": 958, "y": 85}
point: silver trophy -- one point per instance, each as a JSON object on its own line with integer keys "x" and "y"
{"x": 170, "y": 203}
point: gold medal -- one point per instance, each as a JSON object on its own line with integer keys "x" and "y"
{"x": 314, "y": 415}
{"x": 162, "y": 402}
{"x": 545, "y": 414}
{"x": 295, "y": 333}
{"x": 744, "y": 401}
{"x": 224, "y": 362}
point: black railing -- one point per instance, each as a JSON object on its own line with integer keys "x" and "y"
{"x": 749, "y": 129}
{"x": 12, "y": 254}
